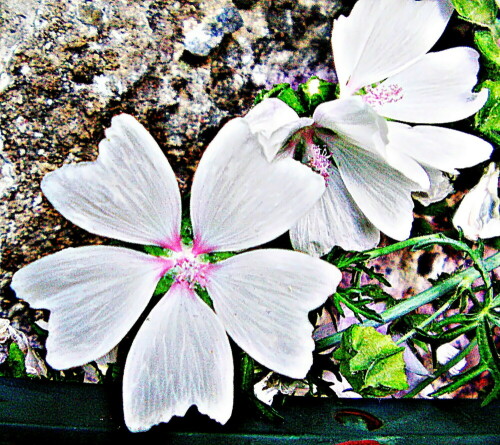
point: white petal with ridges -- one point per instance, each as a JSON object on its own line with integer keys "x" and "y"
{"x": 478, "y": 215}
{"x": 95, "y": 294}
{"x": 382, "y": 37}
{"x": 274, "y": 122}
{"x": 408, "y": 166}
{"x": 179, "y": 358}
{"x": 382, "y": 193}
{"x": 437, "y": 147}
{"x": 355, "y": 121}
{"x": 335, "y": 220}
{"x": 240, "y": 200}
{"x": 436, "y": 89}
{"x": 263, "y": 297}
{"x": 129, "y": 193}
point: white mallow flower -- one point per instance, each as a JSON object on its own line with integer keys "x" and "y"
{"x": 371, "y": 165}
{"x": 381, "y": 51}
{"x": 381, "y": 55}
{"x": 369, "y": 180}
{"x": 478, "y": 215}
{"x": 181, "y": 355}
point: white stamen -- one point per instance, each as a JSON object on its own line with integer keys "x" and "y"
{"x": 319, "y": 160}
{"x": 189, "y": 270}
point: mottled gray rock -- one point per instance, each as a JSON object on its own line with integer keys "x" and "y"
{"x": 208, "y": 35}
{"x": 67, "y": 67}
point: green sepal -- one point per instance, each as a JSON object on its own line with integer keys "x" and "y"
{"x": 157, "y": 251}
{"x": 203, "y": 294}
{"x": 215, "y": 257}
{"x": 480, "y": 12}
{"x": 186, "y": 232}
{"x": 164, "y": 284}
{"x": 371, "y": 362}
{"x": 487, "y": 120}
{"x": 273, "y": 92}
{"x": 293, "y": 100}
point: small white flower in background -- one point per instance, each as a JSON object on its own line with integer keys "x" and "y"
{"x": 93, "y": 372}
{"x": 447, "y": 352}
{"x": 478, "y": 215}
{"x": 34, "y": 365}
{"x": 372, "y": 165}
{"x": 342, "y": 388}
{"x": 181, "y": 355}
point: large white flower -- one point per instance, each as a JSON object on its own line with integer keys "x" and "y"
{"x": 371, "y": 165}
{"x": 181, "y": 355}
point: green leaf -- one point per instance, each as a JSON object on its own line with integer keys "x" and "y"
{"x": 371, "y": 362}
{"x": 357, "y": 306}
{"x": 487, "y": 44}
{"x": 488, "y": 118}
{"x": 15, "y": 361}
{"x": 481, "y": 12}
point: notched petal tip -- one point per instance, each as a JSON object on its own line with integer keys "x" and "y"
{"x": 88, "y": 316}
{"x": 180, "y": 357}
{"x": 129, "y": 193}
{"x": 263, "y": 298}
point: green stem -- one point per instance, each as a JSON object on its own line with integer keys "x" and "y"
{"x": 381, "y": 251}
{"x": 442, "y": 370}
{"x": 412, "y": 303}
{"x": 428, "y": 320}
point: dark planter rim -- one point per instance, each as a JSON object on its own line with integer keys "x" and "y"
{"x": 44, "y": 411}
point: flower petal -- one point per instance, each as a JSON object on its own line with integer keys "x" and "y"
{"x": 435, "y": 89}
{"x": 440, "y": 187}
{"x": 179, "y": 358}
{"x": 382, "y": 193}
{"x": 408, "y": 166}
{"x": 335, "y": 220}
{"x": 273, "y": 122}
{"x": 240, "y": 200}
{"x": 95, "y": 294}
{"x": 478, "y": 215}
{"x": 381, "y": 38}
{"x": 263, "y": 297}
{"x": 129, "y": 193}
{"x": 355, "y": 121}
{"x": 441, "y": 148}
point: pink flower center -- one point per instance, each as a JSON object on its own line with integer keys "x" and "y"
{"x": 318, "y": 160}
{"x": 383, "y": 94}
{"x": 190, "y": 271}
